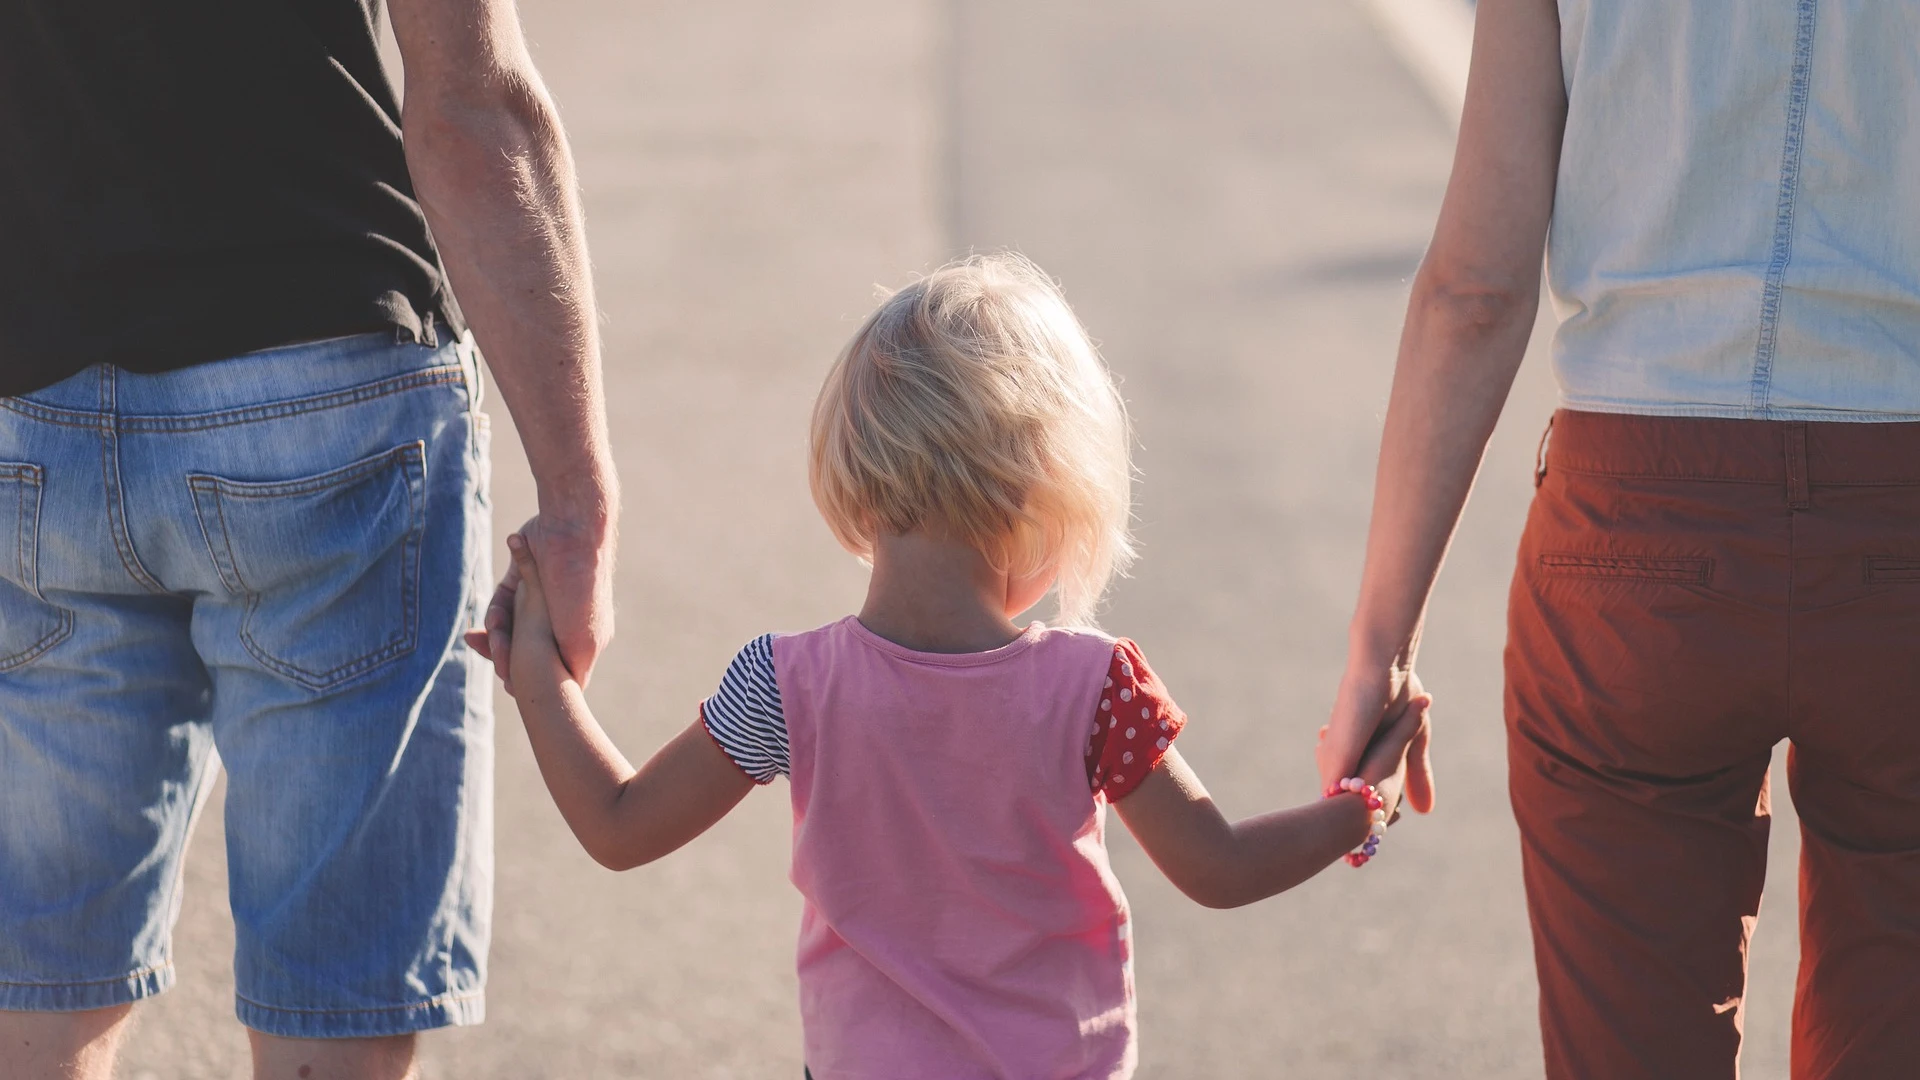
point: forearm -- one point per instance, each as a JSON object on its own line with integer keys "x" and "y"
{"x": 494, "y": 175}
{"x": 1223, "y": 864}
{"x": 1472, "y": 310}
{"x": 1271, "y": 853}
{"x": 585, "y": 773}
{"x": 1458, "y": 356}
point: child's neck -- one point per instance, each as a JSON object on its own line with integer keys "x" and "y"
{"x": 930, "y": 593}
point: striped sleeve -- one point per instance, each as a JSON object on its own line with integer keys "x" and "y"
{"x": 744, "y": 715}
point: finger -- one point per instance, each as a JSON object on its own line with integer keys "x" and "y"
{"x": 1344, "y": 749}
{"x": 499, "y": 620}
{"x": 500, "y": 631}
{"x": 524, "y": 564}
{"x": 1413, "y": 716}
{"x": 500, "y": 608}
{"x": 1419, "y": 790}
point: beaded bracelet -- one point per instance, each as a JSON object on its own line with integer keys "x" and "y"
{"x": 1377, "y": 811}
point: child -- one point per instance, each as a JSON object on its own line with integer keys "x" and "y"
{"x": 949, "y": 769}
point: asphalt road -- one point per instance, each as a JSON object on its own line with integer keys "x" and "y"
{"x": 1234, "y": 194}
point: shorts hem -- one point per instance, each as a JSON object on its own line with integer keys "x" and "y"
{"x": 88, "y": 995}
{"x": 452, "y": 1010}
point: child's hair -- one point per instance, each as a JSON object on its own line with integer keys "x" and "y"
{"x": 974, "y": 401}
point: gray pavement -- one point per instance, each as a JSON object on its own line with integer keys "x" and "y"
{"x": 1234, "y": 195}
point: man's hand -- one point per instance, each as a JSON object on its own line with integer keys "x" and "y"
{"x": 1370, "y": 700}
{"x": 577, "y": 572}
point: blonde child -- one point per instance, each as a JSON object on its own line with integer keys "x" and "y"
{"x": 949, "y": 770}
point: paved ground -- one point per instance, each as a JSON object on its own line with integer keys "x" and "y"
{"x": 1234, "y": 194}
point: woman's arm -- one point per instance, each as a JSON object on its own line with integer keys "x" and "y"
{"x": 624, "y": 818}
{"x": 1222, "y": 864}
{"x": 1471, "y": 312}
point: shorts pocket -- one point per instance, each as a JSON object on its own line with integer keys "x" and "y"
{"x": 328, "y": 566}
{"x": 29, "y": 626}
{"x": 1685, "y": 570}
{"x": 1892, "y": 570}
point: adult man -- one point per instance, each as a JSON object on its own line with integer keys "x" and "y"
{"x": 243, "y": 501}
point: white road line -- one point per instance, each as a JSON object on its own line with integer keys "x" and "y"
{"x": 1435, "y": 40}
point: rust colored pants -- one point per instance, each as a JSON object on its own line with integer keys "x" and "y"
{"x": 1690, "y": 592}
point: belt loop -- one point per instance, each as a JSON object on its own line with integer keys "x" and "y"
{"x": 1540, "y": 455}
{"x": 470, "y": 368}
{"x": 1799, "y": 497}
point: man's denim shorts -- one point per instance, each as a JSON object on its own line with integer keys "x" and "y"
{"x": 266, "y": 561}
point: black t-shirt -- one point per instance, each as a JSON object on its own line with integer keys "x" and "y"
{"x": 186, "y": 180}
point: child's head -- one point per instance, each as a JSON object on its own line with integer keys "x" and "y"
{"x": 972, "y": 402}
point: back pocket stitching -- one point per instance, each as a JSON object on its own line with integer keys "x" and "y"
{"x": 1691, "y": 570}
{"x": 1891, "y": 570}
{"x": 28, "y": 479}
{"x": 411, "y": 459}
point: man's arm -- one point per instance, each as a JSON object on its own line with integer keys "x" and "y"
{"x": 492, "y": 170}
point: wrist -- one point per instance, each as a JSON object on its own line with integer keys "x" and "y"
{"x": 1371, "y": 653}
{"x": 1369, "y": 816}
{"x": 585, "y": 504}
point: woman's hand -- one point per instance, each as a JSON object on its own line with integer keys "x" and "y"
{"x": 1376, "y": 706}
{"x": 1399, "y": 753}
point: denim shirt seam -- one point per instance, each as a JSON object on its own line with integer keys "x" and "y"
{"x": 1798, "y": 93}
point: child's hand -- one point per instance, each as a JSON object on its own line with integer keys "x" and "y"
{"x": 492, "y": 638}
{"x": 1384, "y": 764}
{"x": 533, "y": 654}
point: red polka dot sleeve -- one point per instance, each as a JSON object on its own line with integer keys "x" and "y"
{"x": 1134, "y": 724}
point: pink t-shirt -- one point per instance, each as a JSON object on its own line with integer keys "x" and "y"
{"x": 961, "y": 918}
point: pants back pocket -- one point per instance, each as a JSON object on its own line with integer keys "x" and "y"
{"x": 328, "y": 566}
{"x": 1689, "y": 570}
{"x": 29, "y": 626}
{"x": 1892, "y": 570}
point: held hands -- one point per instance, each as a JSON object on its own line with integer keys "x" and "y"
{"x": 1370, "y": 706}
{"x": 521, "y": 641}
{"x": 578, "y": 566}
{"x": 1385, "y": 763}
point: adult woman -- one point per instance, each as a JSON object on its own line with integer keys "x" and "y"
{"x": 1725, "y": 546}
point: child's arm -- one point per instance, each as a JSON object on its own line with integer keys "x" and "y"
{"x": 1223, "y": 864}
{"x": 622, "y": 817}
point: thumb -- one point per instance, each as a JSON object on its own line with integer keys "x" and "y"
{"x": 1343, "y": 743}
{"x": 524, "y": 564}
{"x": 1419, "y": 789}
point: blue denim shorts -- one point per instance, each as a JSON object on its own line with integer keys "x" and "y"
{"x": 265, "y": 561}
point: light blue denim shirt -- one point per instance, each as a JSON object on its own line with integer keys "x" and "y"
{"x": 1736, "y": 228}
